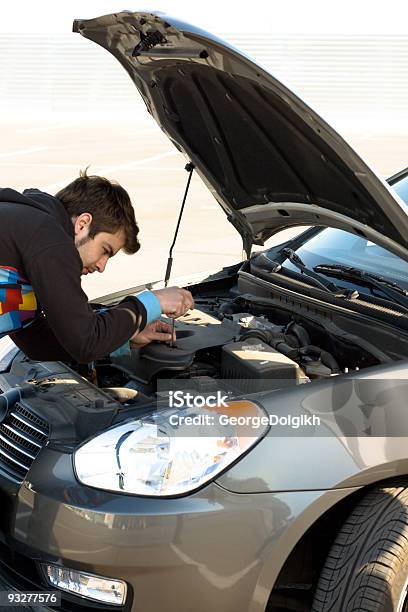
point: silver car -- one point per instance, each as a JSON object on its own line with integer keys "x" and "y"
{"x": 125, "y": 485}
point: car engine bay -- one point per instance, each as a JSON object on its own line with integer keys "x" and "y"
{"x": 249, "y": 351}
{"x": 242, "y": 339}
{"x": 246, "y": 343}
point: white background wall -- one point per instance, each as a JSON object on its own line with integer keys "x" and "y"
{"x": 348, "y": 60}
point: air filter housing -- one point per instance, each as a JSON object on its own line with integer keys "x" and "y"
{"x": 255, "y": 366}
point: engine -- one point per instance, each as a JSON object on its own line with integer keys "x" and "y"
{"x": 219, "y": 346}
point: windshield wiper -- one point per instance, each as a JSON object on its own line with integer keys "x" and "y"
{"x": 392, "y": 290}
{"x": 318, "y": 281}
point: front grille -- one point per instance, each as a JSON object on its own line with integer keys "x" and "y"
{"x": 22, "y": 435}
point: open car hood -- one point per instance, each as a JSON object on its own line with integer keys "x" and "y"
{"x": 269, "y": 160}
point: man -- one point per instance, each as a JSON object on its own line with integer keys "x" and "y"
{"x": 46, "y": 244}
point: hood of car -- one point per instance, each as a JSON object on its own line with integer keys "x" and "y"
{"x": 269, "y": 160}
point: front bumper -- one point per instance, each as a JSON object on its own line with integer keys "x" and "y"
{"x": 212, "y": 550}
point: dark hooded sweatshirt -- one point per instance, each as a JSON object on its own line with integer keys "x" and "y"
{"x": 42, "y": 305}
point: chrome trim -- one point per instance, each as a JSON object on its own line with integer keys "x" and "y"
{"x": 21, "y": 465}
{"x": 28, "y": 423}
{"x": 23, "y": 435}
{"x": 12, "y": 443}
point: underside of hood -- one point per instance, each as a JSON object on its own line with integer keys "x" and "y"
{"x": 268, "y": 159}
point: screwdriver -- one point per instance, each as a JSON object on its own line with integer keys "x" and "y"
{"x": 172, "y": 343}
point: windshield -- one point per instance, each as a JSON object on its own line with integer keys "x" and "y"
{"x": 402, "y": 188}
{"x": 334, "y": 246}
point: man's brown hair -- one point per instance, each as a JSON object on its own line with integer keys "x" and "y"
{"x": 108, "y": 203}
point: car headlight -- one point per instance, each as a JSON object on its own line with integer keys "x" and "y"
{"x": 170, "y": 452}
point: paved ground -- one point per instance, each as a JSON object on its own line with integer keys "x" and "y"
{"x": 48, "y": 153}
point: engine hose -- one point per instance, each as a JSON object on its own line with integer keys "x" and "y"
{"x": 286, "y": 349}
{"x": 299, "y": 332}
{"x": 283, "y": 344}
{"x": 10, "y": 397}
{"x": 260, "y": 334}
{"x": 329, "y": 361}
{"x": 279, "y": 342}
{"x": 326, "y": 358}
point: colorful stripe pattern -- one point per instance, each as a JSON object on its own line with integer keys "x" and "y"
{"x": 18, "y": 303}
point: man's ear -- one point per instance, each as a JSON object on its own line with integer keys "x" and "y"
{"x": 82, "y": 223}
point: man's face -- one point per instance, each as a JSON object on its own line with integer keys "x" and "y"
{"x": 95, "y": 251}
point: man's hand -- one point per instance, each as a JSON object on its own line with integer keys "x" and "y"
{"x": 158, "y": 330}
{"x": 174, "y": 301}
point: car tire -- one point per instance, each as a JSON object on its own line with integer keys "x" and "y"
{"x": 367, "y": 566}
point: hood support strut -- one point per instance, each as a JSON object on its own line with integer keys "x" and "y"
{"x": 189, "y": 167}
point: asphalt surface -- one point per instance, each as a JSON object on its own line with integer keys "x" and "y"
{"x": 49, "y": 152}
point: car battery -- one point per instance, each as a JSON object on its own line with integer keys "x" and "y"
{"x": 252, "y": 365}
